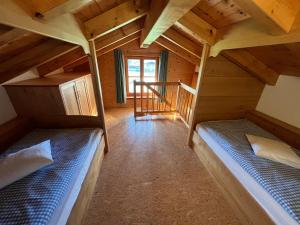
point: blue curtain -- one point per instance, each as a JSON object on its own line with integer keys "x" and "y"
{"x": 120, "y": 76}
{"x": 163, "y": 70}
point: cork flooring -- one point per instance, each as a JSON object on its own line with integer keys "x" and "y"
{"x": 150, "y": 177}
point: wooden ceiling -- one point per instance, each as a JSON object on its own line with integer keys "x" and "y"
{"x": 21, "y": 50}
{"x": 220, "y": 13}
{"x": 224, "y": 24}
{"x": 284, "y": 59}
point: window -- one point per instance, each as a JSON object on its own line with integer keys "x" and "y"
{"x": 140, "y": 69}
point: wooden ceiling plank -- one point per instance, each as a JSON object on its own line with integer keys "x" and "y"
{"x": 197, "y": 28}
{"x": 13, "y": 15}
{"x": 275, "y": 15}
{"x": 118, "y": 34}
{"x": 162, "y": 15}
{"x": 177, "y": 50}
{"x": 12, "y": 35}
{"x": 172, "y": 35}
{"x": 60, "y": 61}
{"x": 31, "y": 58}
{"x": 103, "y": 51}
{"x": 113, "y": 19}
{"x": 252, "y": 65}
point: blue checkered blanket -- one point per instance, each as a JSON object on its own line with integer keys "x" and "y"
{"x": 34, "y": 198}
{"x": 281, "y": 181}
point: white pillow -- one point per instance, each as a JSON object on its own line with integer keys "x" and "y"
{"x": 274, "y": 150}
{"x": 22, "y": 163}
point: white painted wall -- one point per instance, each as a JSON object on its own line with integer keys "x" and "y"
{"x": 283, "y": 100}
{"x": 7, "y": 111}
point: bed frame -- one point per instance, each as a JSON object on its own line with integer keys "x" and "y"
{"x": 243, "y": 204}
{"x": 15, "y": 129}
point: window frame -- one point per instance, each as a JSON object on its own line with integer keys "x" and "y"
{"x": 141, "y": 58}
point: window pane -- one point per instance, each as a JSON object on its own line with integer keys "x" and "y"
{"x": 134, "y": 73}
{"x": 131, "y": 84}
{"x": 134, "y": 68}
{"x": 149, "y": 68}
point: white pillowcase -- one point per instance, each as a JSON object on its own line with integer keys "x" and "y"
{"x": 24, "y": 162}
{"x": 274, "y": 150}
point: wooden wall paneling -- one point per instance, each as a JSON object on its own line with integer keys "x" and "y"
{"x": 282, "y": 130}
{"x": 66, "y": 121}
{"x": 178, "y": 69}
{"x": 60, "y": 61}
{"x": 13, "y": 130}
{"x": 196, "y": 100}
{"x": 98, "y": 90}
{"x": 227, "y": 91}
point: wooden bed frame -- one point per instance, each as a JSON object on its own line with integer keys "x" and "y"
{"x": 243, "y": 204}
{"x": 18, "y": 127}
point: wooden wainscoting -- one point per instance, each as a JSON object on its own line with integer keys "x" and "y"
{"x": 227, "y": 91}
{"x": 13, "y": 130}
{"x": 282, "y": 130}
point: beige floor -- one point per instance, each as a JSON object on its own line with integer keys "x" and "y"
{"x": 150, "y": 177}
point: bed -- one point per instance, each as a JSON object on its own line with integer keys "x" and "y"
{"x": 55, "y": 194}
{"x": 275, "y": 187}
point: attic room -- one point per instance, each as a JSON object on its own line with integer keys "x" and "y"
{"x": 147, "y": 112}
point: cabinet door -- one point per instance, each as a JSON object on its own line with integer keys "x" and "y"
{"x": 83, "y": 96}
{"x": 70, "y": 98}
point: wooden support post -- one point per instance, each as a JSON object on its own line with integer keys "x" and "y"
{"x": 196, "y": 101}
{"x": 134, "y": 102}
{"x": 98, "y": 90}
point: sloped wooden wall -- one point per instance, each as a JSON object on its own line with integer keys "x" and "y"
{"x": 227, "y": 91}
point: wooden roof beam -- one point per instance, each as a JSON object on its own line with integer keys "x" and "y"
{"x": 162, "y": 15}
{"x": 119, "y": 34}
{"x": 252, "y": 65}
{"x": 115, "y": 18}
{"x": 12, "y": 14}
{"x": 276, "y": 16}
{"x": 198, "y": 28}
{"x": 177, "y": 50}
{"x": 178, "y": 39}
{"x": 248, "y": 34}
{"x": 103, "y": 51}
{"x": 48, "y": 9}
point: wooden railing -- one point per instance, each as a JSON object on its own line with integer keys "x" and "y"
{"x": 152, "y": 98}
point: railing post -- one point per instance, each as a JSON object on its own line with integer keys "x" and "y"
{"x": 177, "y": 96}
{"x": 134, "y": 98}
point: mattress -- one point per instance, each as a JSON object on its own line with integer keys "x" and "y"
{"x": 48, "y": 195}
{"x": 275, "y": 186}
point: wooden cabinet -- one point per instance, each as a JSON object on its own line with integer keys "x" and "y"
{"x": 61, "y": 94}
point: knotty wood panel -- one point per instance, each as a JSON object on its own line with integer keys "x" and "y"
{"x": 284, "y": 59}
{"x": 178, "y": 69}
{"x": 227, "y": 91}
{"x": 220, "y": 13}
